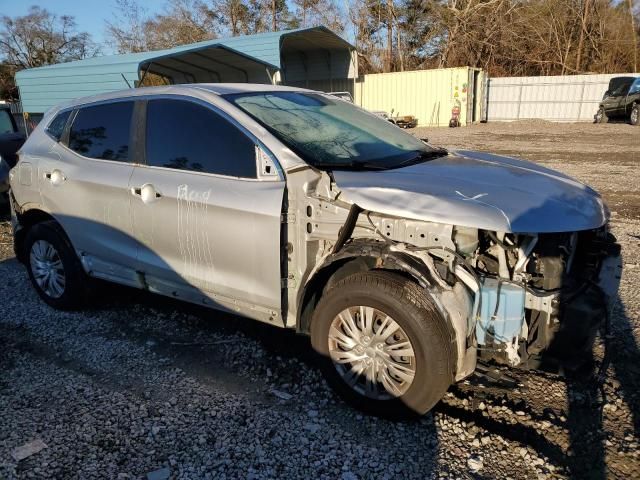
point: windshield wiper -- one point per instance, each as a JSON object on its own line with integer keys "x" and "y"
{"x": 350, "y": 165}
{"x": 422, "y": 157}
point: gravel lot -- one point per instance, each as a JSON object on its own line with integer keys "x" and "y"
{"x": 141, "y": 384}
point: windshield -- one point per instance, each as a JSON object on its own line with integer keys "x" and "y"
{"x": 330, "y": 133}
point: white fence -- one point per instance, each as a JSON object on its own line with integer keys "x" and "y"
{"x": 566, "y": 98}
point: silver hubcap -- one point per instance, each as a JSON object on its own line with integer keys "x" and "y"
{"x": 47, "y": 268}
{"x": 372, "y": 353}
{"x": 634, "y": 116}
{"x": 599, "y": 115}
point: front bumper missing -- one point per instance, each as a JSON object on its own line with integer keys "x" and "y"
{"x": 585, "y": 314}
{"x": 611, "y": 275}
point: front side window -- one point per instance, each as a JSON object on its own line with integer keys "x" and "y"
{"x": 332, "y": 134}
{"x": 621, "y": 90}
{"x": 187, "y": 136}
{"x": 6, "y": 122}
{"x": 102, "y": 131}
{"x": 635, "y": 88}
{"x": 56, "y": 127}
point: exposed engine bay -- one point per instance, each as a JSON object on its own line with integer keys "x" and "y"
{"x": 539, "y": 293}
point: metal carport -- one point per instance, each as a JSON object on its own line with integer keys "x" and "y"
{"x": 312, "y": 57}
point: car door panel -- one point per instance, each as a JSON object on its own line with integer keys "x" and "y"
{"x": 96, "y": 205}
{"x": 609, "y": 104}
{"x": 90, "y": 199}
{"x": 212, "y": 235}
{"x": 633, "y": 96}
{"x": 208, "y": 228}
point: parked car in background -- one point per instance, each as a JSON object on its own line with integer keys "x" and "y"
{"x": 4, "y": 179}
{"x": 10, "y": 137}
{"x": 404, "y": 263}
{"x": 10, "y": 141}
{"x": 621, "y": 101}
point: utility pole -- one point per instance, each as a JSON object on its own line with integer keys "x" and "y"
{"x": 634, "y": 36}
{"x": 585, "y": 16}
{"x": 389, "y": 35}
{"x": 274, "y": 19}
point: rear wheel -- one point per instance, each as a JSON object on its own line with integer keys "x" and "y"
{"x": 383, "y": 345}
{"x": 54, "y": 268}
{"x": 634, "y": 118}
{"x": 601, "y": 116}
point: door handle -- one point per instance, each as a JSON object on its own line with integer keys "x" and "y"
{"x": 55, "y": 177}
{"x": 146, "y": 192}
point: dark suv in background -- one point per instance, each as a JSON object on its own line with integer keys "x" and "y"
{"x": 621, "y": 101}
{"x": 10, "y": 142}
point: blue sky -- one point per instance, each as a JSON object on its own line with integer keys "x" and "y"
{"x": 90, "y": 15}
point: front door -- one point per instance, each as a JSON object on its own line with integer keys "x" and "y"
{"x": 85, "y": 186}
{"x": 208, "y": 226}
{"x": 611, "y": 104}
{"x": 633, "y": 96}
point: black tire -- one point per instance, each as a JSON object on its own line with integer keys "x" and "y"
{"x": 74, "y": 291}
{"x": 601, "y": 116}
{"x": 431, "y": 337}
{"x": 634, "y": 117}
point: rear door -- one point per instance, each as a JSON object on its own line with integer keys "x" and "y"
{"x": 84, "y": 183}
{"x": 206, "y": 220}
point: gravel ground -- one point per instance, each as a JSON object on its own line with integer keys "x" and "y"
{"x": 142, "y": 385}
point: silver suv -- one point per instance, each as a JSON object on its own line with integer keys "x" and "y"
{"x": 405, "y": 264}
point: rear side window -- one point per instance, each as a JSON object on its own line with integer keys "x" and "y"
{"x": 6, "y": 122}
{"x": 56, "y": 127}
{"x": 102, "y": 131}
{"x": 188, "y": 136}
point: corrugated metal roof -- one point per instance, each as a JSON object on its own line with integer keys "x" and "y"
{"x": 43, "y": 87}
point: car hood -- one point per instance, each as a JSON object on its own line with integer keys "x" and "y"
{"x": 479, "y": 190}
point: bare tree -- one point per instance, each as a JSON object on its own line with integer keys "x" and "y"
{"x": 183, "y": 21}
{"x": 236, "y": 16}
{"x": 42, "y": 38}
{"x": 311, "y": 13}
{"x": 36, "y": 39}
{"x": 126, "y": 32}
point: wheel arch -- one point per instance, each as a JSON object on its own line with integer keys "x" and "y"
{"x": 26, "y": 219}
{"x": 354, "y": 258}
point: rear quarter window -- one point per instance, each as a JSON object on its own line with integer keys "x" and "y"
{"x": 102, "y": 131}
{"x": 56, "y": 127}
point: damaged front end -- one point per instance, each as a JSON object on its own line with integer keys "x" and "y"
{"x": 543, "y": 297}
{"x": 517, "y": 299}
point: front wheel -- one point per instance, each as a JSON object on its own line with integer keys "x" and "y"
{"x": 601, "y": 116}
{"x": 383, "y": 345}
{"x": 634, "y": 118}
